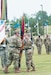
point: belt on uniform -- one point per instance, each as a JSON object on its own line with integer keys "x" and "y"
{"x": 2, "y": 47}
{"x": 13, "y": 47}
{"x": 27, "y": 48}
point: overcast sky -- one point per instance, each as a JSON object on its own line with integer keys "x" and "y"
{"x": 16, "y": 8}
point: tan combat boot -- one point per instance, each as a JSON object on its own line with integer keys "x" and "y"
{"x": 33, "y": 69}
{"x": 17, "y": 70}
{"x": 5, "y": 69}
{"x": 28, "y": 70}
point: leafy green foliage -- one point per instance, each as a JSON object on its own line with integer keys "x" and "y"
{"x": 42, "y": 18}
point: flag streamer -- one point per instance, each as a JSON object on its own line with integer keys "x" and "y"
{"x": 4, "y": 9}
{"x": 22, "y": 28}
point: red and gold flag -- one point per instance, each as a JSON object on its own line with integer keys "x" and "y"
{"x": 22, "y": 28}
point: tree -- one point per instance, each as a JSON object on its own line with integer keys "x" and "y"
{"x": 42, "y": 17}
{"x": 49, "y": 20}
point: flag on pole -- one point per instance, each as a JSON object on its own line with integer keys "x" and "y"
{"x": 2, "y": 30}
{"x": 4, "y": 9}
{"x": 22, "y": 28}
{"x": 0, "y": 9}
{"x": 22, "y": 32}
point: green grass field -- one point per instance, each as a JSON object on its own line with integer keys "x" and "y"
{"x": 42, "y": 63}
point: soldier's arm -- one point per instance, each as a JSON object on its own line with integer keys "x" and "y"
{"x": 7, "y": 42}
{"x": 36, "y": 41}
{"x": 42, "y": 41}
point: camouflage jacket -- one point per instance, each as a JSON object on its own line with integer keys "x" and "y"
{"x": 47, "y": 41}
{"x": 39, "y": 42}
{"x": 14, "y": 42}
{"x": 27, "y": 41}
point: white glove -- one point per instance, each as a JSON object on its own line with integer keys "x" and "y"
{"x": 4, "y": 45}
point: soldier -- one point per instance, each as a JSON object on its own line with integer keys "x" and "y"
{"x": 3, "y": 53}
{"x": 47, "y": 43}
{"x": 28, "y": 51}
{"x": 39, "y": 43}
{"x": 15, "y": 44}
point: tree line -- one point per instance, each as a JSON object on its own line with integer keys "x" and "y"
{"x": 41, "y": 17}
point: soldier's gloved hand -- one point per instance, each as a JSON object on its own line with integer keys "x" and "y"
{"x": 32, "y": 44}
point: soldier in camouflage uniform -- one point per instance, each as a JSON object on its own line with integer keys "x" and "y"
{"x": 39, "y": 43}
{"x": 28, "y": 51}
{"x": 14, "y": 46}
{"x": 47, "y": 42}
{"x": 3, "y": 54}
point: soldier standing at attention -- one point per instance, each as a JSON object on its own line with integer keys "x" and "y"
{"x": 3, "y": 54}
{"x": 39, "y": 43}
{"x": 14, "y": 45}
{"x": 28, "y": 51}
{"x": 47, "y": 43}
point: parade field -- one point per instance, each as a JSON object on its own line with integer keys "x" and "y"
{"x": 42, "y": 64}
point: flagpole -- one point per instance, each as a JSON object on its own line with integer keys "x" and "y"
{"x": 47, "y": 29}
{"x": 22, "y": 36}
{"x": 6, "y": 9}
{"x": 37, "y": 28}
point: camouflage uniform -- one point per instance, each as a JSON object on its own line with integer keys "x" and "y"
{"x": 3, "y": 54}
{"x": 14, "y": 50}
{"x": 33, "y": 42}
{"x": 39, "y": 43}
{"x": 28, "y": 51}
{"x": 47, "y": 44}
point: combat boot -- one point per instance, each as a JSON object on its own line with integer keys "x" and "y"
{"x": 33, "y": 69}
{"x": 28, "y": 70}
{"x": 17, "y": 70}
{"x": 33, "y": 66}
{"x": 5, "y": 70}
